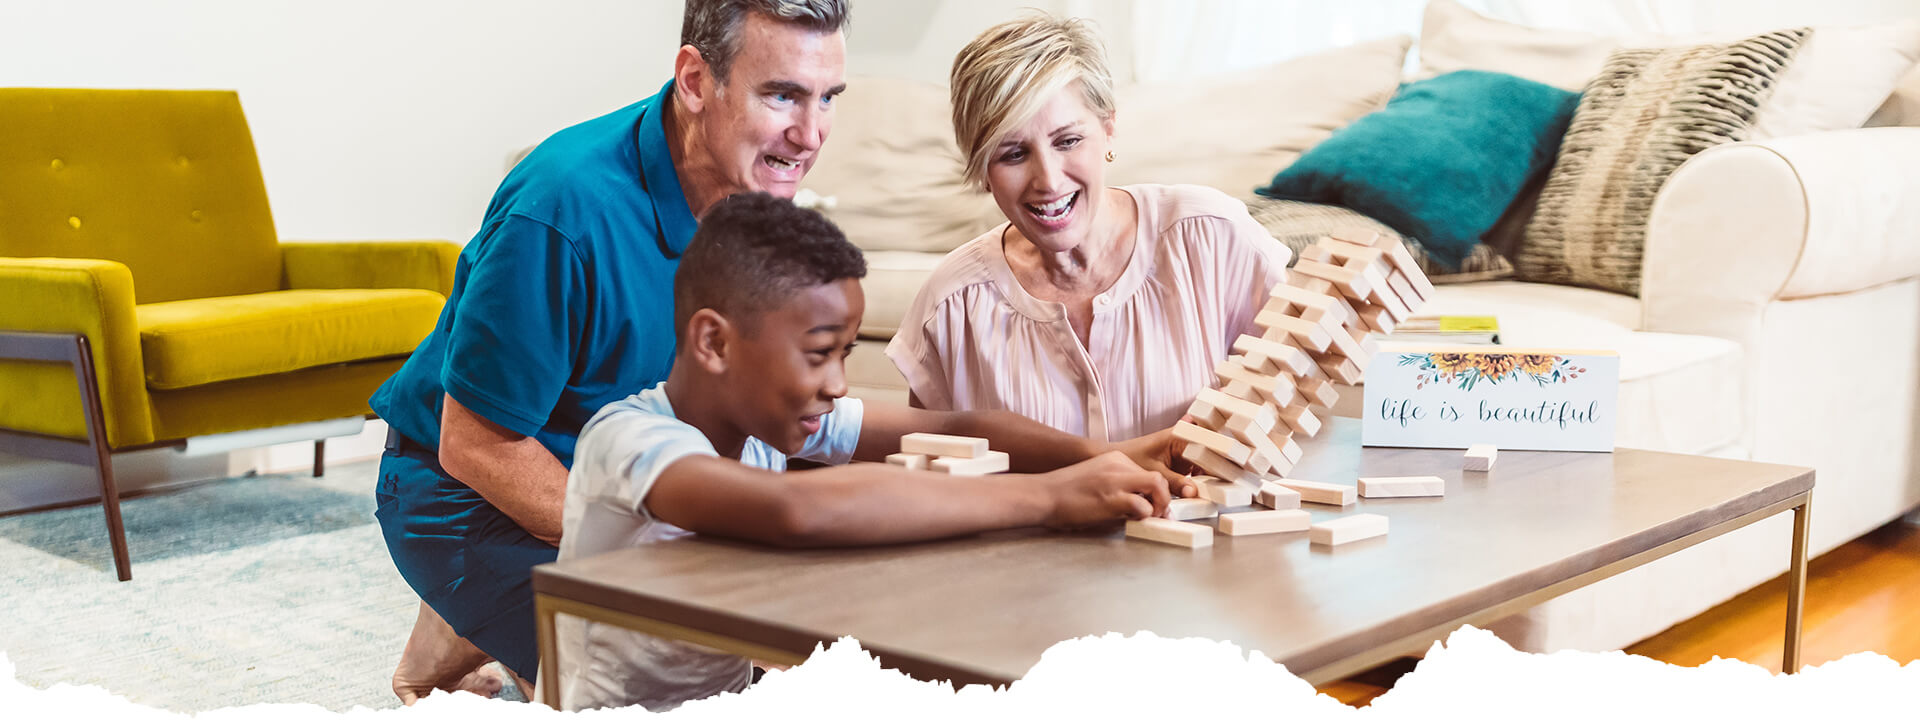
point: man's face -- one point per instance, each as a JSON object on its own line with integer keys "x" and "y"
{"x": 793, "y": 363}
{"x": 766, "y": 123}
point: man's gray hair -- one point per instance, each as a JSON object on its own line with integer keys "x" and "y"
{"x": 713, "y": 26}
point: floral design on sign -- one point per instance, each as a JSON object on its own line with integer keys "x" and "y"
{"x": 1469, "y": 369}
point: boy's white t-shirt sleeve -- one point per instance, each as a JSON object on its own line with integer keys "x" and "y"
{"x": 625, "y": 451}
{"x": 839, "y": 434}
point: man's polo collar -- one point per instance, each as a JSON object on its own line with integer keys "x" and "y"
{"x": 660, "y": 179}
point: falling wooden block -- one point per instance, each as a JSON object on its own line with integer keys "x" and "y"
{"x": 993, "y": 461}
{"x": 1285, "y": 297}
{"x": 1273, "y": 356}
{"x": 1244, "y": 391}
{"x": 1301, "y": 418}
{"x": 1264, "y": 447}
{"x": 1277, "y": 496}
{"x": 1319, "y": 492}
{"x": 1352, "y": 254}
{"x": 1225, "y": 493}
{"x": 1403, "y": 261}
{"x": 1378, "y": 319}
{"x": 1221, "y": 445}
{"x": 1480, "y": 457}
{"x": 1318, "y": 391}
{"x": 1213, "y": 464}
{"x": 1191, "y": 509}
{"x": 1171, "y": 532}
{"x": 1408, "y": 294}
{"x": 910, "y": 461}
{"x": 1343, "y": 369}
{"x": 1306, "y": 334}
{"x": 952, "y": 446}
{"x": 1349, "y": 282}
{"x": 1206, "y": 413}
{"x": 1343, "y": 343}
{"x": 1340, "y": 531}
{"x": 1277, "y": 388}
{"x": 1261, "y": 522}
{"x": 1380, "y": 294}
{"x": 1409, "y": 486}
{"x": 1261, "y": 414}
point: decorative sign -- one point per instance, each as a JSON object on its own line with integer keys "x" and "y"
{"x": 1511, "y": 398}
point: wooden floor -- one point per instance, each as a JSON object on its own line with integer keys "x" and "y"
{"x": 1860, "y": 597}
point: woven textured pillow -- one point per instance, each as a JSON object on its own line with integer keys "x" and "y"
{"x": 1298, "y": 225}
{"x": 1648, "y": 111}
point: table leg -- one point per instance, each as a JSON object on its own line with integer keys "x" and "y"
{"x": 1796, "y": 587}
{"x": 549, "y": 667}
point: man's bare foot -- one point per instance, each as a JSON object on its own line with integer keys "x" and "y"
{"x": 438, "y": 658}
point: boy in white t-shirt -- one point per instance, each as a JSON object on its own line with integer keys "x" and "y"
{"x": 767, "y": 302}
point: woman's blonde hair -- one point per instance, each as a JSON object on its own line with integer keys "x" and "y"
{"x": 1003, "y": 77}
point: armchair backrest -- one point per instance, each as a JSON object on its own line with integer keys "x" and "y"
{"x": 164, "y": 181}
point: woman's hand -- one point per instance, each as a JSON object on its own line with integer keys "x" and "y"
{"x": 1157, "y": 452}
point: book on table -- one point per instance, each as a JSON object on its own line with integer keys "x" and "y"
{"x": 1464, "y": 329}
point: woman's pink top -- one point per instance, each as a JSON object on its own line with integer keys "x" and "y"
{"x": 974, "y": 339}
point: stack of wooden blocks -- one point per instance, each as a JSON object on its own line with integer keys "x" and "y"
{"x": 951, "y": 454}
{"x": 1314, "y": 333}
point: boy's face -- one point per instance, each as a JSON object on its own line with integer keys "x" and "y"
{"x": 794, "y": 363}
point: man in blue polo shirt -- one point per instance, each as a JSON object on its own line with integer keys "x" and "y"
{"x": 562, "y": 303}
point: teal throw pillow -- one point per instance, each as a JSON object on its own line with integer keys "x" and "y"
{"x": 1442, "y": 161}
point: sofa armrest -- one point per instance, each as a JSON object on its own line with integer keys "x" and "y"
{"x": 74, "y": 296}
{"x": 1745, "y": 224}
{"x": 421, "y": 264}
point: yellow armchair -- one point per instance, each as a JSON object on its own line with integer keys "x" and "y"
{"x": 145, "y": 298}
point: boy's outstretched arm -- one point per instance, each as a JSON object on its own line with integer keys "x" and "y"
{"x": 1030, "y": 445}
{"x": 868, "y": 504}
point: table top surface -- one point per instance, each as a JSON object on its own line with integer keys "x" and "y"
{"x": 983, "y": 608}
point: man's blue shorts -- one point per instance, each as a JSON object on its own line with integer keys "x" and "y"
{"x": 468, "y": 561}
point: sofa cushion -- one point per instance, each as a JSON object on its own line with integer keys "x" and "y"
{"x": 1841, "y": 75}
{"x": 1678, "y": 393}
{"x": 1442, "y": 161}
{"x": 185, "y": 343}
{"x": 893, "y": 279}
{"x": 1648, "y": 111}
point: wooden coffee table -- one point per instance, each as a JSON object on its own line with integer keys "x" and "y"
{"x": 982, "y": 609}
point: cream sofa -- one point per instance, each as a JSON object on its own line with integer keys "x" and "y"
{"x": 1779, "y": 318}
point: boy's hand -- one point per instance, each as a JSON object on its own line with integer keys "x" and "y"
{"x": 1156, "y": 452}
{"x": 1106, "y": 487}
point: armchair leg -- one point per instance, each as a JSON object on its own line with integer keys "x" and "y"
{"x": 319, "y": 458}
{"x": 73, "y": 351}
{"x": 102, "y": 456}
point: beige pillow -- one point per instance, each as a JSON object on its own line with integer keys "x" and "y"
{"x": 1841, "y": 74}
{"x": 1645, "y": 113}
{"x": 893, "y": 170}
{"x": 1234, "y": 131}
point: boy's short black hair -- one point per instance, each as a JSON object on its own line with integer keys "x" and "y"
{"x": 754, "y": 250}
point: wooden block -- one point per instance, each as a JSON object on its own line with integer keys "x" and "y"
{"x": 1260, "y": 413}
{"x": 1480, "y": 457}
{"x": 1343, "y": 343}
{"x": 1303, "y": 298}
{"x": 1261, "y": 522}
{"x": 1276, "y": 388}
{"x": 1380, "y": 294}
{"x": 910, "y": 461}
{"x": 1340, "y": 531}
{"x": 1319, "y": 492}
{"x": 1288, "y": 448}
{"x": 1378, "y": 319}
{"x": 1225, "y": 493}
{"x": 1306, "y": 334}
{"x": 1273, "y": 356}
{"x": 1276, "y": 496}
{"x": 1318, "y": 391}
{"x": 1300, "y": 417}
{"x": 1206, "y": 413}
{"x": 1404, "y": 262}
{"x": 1243, "y": 391}
{"x": 1343, "y": 370}
{"x": 1171, "y": 532}
{"x": 1312, "y": 284}
{"x": 1350, "y": 283}
{"x": 1356, "y": 236}
{"x": 1266, "y": 453}
{"x": 1406, "y": 291}
{"x": 1409, "y": 486}
{"x": 1352, "y": 254}
{"x": 993, "y": 461}
{"x": 1213, "y": 464}
{"x": 1191, "y": 509}
{"x": 1221, "y": 445}
{"x": 953, "y": 446}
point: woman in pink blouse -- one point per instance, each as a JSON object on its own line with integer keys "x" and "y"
{"x": 1097, "y": 310}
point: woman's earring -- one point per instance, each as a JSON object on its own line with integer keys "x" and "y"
{"x": 1109, "y": 156}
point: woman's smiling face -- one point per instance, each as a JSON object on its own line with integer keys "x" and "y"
{"x": 1048, "y": 173}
